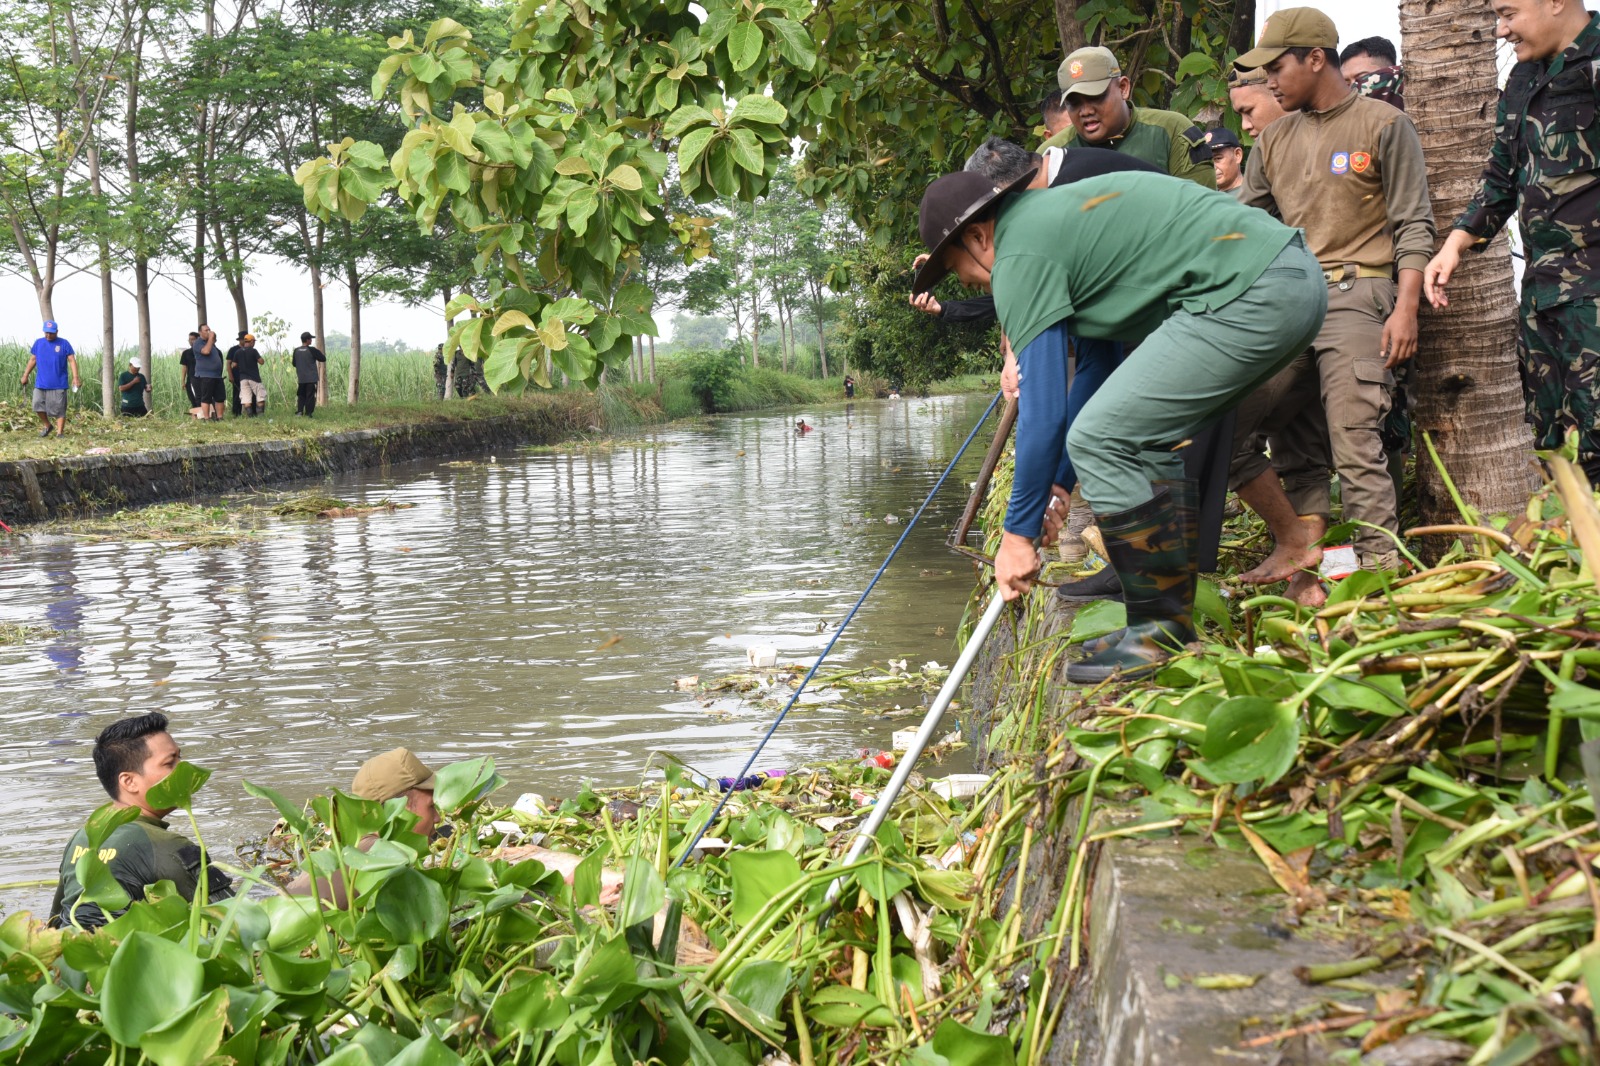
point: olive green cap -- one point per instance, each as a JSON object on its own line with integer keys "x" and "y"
{"x": 394, "y": 773}
{"x": 1088, "y": 71}
{"x": 1292, "y": 27}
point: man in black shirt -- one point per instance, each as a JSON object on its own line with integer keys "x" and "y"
{"x": 186, "y": 362}
{"x": 305, "y": 359}
{"x": 244, "y": 365}
{"x": 232, "y": 374}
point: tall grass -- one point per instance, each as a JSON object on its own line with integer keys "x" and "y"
{"x": 385, "y": 379}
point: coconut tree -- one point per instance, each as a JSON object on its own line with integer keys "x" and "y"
{"x": 1468, "y": 393}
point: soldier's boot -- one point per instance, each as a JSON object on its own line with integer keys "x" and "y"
{"x": 1146, "y": 547}
{"x": 1186, "y": 503}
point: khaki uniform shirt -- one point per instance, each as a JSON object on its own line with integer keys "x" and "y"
{"x": 1353, "y": 178}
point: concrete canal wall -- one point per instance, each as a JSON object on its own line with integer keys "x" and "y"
{"x": 37, "y": 490}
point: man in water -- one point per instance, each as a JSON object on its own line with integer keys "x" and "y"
{"x": 132, "y": 756}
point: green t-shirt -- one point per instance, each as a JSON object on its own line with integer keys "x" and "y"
{"x": 1163, "y": 139}
{"x": 133, "y": 399}
{"x": 138, "y": 854}
{"x": 1119, "y": 254}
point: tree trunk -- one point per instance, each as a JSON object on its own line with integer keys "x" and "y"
{"x": 353, "y": 279}
{"x": 1242, "y": 30}
{"x": 1465, "y": 380}
{"x": 318, "y": 320}
{"x": 141, "y": 260}
{"x": 652, "y": 360}
{"x": 1068, "y": 26}
{"x": 822, "y": 349}
{"x": 109, "y": 406}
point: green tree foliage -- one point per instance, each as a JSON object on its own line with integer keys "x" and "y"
{"x": 554, "y": 150}
{"x": 889, "y": 338}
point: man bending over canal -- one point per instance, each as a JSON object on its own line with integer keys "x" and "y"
{"x": 1219, "y": 297}
{"x": 131, "y": 757}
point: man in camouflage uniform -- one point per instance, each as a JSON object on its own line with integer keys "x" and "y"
{"x": 1546, "y": 155}
{"x": 1373, "y": 69}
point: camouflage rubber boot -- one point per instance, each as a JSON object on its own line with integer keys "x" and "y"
{"x": 1186, "y": 503}
{"x": 1147, "y": 549}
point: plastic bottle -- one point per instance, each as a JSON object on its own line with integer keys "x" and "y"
{"x": 755, "y": 780}
{"x": 882, "y": 759}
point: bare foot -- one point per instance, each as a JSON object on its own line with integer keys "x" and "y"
{"x": 1305, "y": 588}
{"x": 1285, "y": 561}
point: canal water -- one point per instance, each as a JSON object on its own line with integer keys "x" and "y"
{"x": 533, "y": 607}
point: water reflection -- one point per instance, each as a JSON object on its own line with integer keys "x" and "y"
{"x": 481, "y": 619}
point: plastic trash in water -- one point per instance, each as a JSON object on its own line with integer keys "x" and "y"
{"x": 960, "y": 786}
{"x": 531, "y": 804}
{"x": 762, "y": 655}
{"x": 884, "y": 759}
{"x": 755, "y": 780}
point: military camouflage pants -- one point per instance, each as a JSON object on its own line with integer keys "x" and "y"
{"x": 1560, "y": 361}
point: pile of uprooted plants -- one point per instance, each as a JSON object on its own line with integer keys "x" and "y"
{"x": 1414, "y": 761}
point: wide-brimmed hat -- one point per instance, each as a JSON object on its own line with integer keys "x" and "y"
{"x": 948, "y": 205}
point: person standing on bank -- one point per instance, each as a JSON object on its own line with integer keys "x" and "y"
{"x": 52, "y": 357}
{"x": 305, "y": 359}
{"x": 1545, "y": 166}
{"x": 1219, "y": 297}
{"x": 132, "y": 756}
{"x": 208, "y": 371}
{"x": 131, "y": 384}
{"x": 1349, "y": 171}
{"x": 1227, "y": 155}
{"x": 244, "y": 364}
{"x": 234, "y": 401}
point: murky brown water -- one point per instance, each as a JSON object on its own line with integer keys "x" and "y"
{"x": 481, "y": 620}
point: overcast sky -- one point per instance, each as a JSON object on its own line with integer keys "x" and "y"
{"x": 283, "y": 290}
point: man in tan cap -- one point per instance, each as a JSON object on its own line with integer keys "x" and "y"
{"x": 399, "y": 773}
{"x": 1096, "y": 93}
{"x": 1349, "y": 171}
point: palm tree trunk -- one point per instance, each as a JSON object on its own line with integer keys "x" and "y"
{"x": 1465, "y": 379}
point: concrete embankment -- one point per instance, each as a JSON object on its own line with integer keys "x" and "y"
{"x": 1183, "y": 945}
{"x": 37, "y": 490}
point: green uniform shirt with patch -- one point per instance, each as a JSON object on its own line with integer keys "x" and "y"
{"x": 1119, "y": 254}
{"x": 1163, "y": 139}
{"x": 138, "y": 854}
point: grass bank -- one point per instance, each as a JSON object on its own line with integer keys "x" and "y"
{"x": 1415, "y": 764}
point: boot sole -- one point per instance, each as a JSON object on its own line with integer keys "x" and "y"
{"x": 1079, "y": 600}
{"x": 1084, "y": 674}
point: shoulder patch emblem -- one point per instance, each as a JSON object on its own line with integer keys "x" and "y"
{"x": 1360, "y": 161}
{"x": 1340, "y": 163}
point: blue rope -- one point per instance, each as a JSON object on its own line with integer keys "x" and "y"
{"x": 726, "y": 796}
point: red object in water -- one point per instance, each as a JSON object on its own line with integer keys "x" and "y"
{"x": 5, "y": 527}
{"x": 884, "y": 759}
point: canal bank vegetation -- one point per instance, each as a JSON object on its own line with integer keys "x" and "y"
{"x": 1415, "y": 764}
{"x": 462, "y": 951}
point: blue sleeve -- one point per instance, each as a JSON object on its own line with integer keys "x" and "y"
{"x": 68, "y": 346}
{"x": 1041, "y": 429}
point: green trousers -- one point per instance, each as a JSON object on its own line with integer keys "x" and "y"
{"x": 1186, "y": 373}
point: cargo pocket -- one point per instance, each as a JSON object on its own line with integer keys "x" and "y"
{"x": 1375, "y": 387}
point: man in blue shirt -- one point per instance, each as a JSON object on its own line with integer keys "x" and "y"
{"x": 52, "y": 357}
